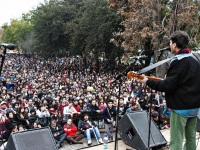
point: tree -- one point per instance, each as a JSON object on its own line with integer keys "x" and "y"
{"x": 16, "y": 32}
{"x": 92, "y": 30}
{"x": 48, "y": 20}
{"x": 148, "y": 24}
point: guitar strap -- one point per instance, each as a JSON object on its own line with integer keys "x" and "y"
{"x": 146, "y": 69}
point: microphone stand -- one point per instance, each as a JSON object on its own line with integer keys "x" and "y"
{"x": 150, "y": 121}
{"x": 3, "y": 55}
{"x": 119, "y": 77}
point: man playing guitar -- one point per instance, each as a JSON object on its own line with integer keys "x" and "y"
{"x": 182, "y": 88}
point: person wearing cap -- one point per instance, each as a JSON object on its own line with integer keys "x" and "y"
{"x": 133, "y": 108}
{"x": 109, "y": 116}
{"x": 88, "y": 127}
{"x": 3, "y": 108}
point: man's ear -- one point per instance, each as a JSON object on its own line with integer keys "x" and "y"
{"x": 174, "y": 45}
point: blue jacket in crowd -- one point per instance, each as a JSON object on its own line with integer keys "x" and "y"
{"x": 106, "y": 115}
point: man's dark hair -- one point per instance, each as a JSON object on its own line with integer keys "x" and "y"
{"x": 155, "y": 114}
{"x": 181, "y": 39}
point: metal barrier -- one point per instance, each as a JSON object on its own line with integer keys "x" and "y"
{"x": 96, "y": 117}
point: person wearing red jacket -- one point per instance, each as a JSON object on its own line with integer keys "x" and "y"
{"x": 70, "y": 129}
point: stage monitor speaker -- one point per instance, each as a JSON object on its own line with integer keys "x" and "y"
{"x": 134, "y": 129}
{"x": 35, "y": 139}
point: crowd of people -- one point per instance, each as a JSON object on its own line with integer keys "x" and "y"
{"x": 62, "y": 94}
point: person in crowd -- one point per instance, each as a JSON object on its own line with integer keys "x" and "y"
{"x": 101, "y": 107}
{"x": 33, "y": 117}
{"x": 155, "y": 117}
{"x": 19, "y": 99}
{"x": 75, "y": 105}
{"x": 10, "y": 125}
{"x": 122, "y": 108}
{"x": 37, "y": 124}
{"x": 70, "y": 129}
{"x": 165, "y": 122}
{"x": 21, "y": 128}
{"x": 85, "y": 108}
{"x": 109, "y": 115}
{"x": 58, "y": 133}
{"x": 144, "y": 102}
{"x": 3, "y": 108}
{"x": 30, "y": 104}
{"x": 23, "y": 117}
{"x": 43, "y": 114}
{"x": 133, "y": 108}
{"x": 93, "y": 107}
{"x": 155, "y": 105}
{"x": 62, "y": 105}
{"x": 69, "y": 111}
{"x": 89, "y": 128}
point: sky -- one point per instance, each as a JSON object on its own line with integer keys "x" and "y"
{"x": 13, "y": 9}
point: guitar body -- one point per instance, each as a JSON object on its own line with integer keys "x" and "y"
{"x": 133, "y": 74}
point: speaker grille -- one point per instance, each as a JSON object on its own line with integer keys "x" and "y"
{"x": 34, "y": 140}
{"x": 134, "y": 128}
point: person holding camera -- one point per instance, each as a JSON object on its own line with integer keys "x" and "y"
{"x": 43, "y": 114}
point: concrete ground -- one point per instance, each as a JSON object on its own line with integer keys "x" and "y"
{"x": 111, "y": 145}
{"x": 123, "y": 146}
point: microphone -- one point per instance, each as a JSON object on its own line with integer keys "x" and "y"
{"x": 8, "y": 46}
{"x": 163, "y": 49}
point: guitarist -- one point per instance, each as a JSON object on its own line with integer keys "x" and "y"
{"x": 181, "y": 86}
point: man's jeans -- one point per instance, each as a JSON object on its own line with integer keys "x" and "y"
{"x": 88, "y": 133}
{"x": 61, "y": 138}
{"x": 66, "y": 117}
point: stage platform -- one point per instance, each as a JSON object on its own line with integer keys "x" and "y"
{"x": 111, "y": 145}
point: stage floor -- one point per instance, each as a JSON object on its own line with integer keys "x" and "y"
{"x": 121, "y": 145}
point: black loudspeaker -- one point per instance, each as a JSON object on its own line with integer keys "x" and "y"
{"x": 134, "y": 129}
{"x": 36, "y": 139}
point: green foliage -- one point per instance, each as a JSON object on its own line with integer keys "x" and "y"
{"x": 16, "y": 32}
{"x": 48, "y": 20}
{"x": 92, "y": 30}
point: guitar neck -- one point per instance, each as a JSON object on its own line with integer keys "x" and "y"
{"x": 153, "y": 78}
